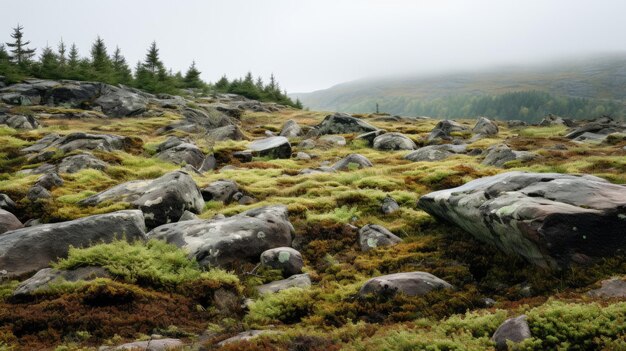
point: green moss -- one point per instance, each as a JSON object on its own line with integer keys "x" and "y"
{"x": 286, "y": 306}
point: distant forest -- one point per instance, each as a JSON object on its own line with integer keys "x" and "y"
{"x": 18, "y": 61}
{"x": 523, "y": 105}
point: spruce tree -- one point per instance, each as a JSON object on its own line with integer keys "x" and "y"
{"x": 153, "y": 62}
{"x": 192, "y": 77}
{"x": 122, "y": 72}
{"x": 100, "y": 61}
{"x": 62, "y": 50}
{"x": 222, "y": 85}
{"x": 74, "y": 57}
{"x": 48, "y": 66}
{"x": 21, "y": 54}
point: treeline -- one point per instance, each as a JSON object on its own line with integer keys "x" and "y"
{"x": 529, "y": 106}
{"x": 18, "y": 61}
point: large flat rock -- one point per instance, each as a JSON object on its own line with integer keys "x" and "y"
{"x": 550, "y": 219}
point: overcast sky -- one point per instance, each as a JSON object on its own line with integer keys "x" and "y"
{"x": 314, "y": 44}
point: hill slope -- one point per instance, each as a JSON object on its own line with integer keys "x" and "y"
{"x": 599, "y": 81}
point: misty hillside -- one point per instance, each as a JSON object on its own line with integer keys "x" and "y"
{"x": 578, "y": 88}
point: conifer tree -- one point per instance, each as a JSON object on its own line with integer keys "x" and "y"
{"x": 100, "y": 60}
{"x": 222, "y": 84}
{"x": 73, "y": 57}
{"x": 48, "y": 66}
{"x": 192, "y": 77}
{"x": 153, "y": 62}
{"x": 122, "y": 72}
{"x": 21, "y": 54}
{"x": 62, "y": 50}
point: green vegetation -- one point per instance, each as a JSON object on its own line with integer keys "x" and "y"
{"x": 150, "y": 75}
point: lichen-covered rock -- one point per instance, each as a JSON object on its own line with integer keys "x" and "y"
{"x": 274, "y": 147}
{"x": 30, "y": 249}
{"x": 389, "y": 205}
{"x": 352, "y": 160}
{"x": 230, "y": 132}
{"x": 6, "y": 203}
{"x": 247, "y": 335}
{"x": 49, "y": 181}
{"x": 75, "y": 163}
{"x": 302, "y": 281}
{"x": 333, "y": 140}
{"x": 291, "y": 129}
{"x": 408, "y": 283}
{"x": 498, "y": 155}
{"x": 286, "y": 259}
{"x": 610, "y": 288}
{"x": 550, "y": 219}
{"x": 343, "y": 123}
{"x": 162, "y": 200}
{"x": 8, "y": 221}
{"x": 221, "y": 190}
{"x": 37, "y": 192}
{"x": 121, "y": 102}
{"x": 393, "y": 141}
{"x": 221, "y": 241}
{"x": 552, "y": 120}
{"x": 148, "y": 345}
{"x": 19, "y": 121}
{"x": 444, "y": 129}
{"x": 373, "y": 235}
{"x": 435, "y": 152}
{"x": 43, "y": 278}
{"x": 514, "y": 330}
{"x": 179, "y": 151}
{"x": 485, "y": 126}
{"x": 370, "y": 136}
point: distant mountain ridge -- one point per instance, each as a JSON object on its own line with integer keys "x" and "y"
{"x": 585, "y": 86}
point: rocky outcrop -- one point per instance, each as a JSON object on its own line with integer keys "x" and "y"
{"x": 75, "y": 163}
{"x": 221, "y": 241}
{"x": 373, "y": 235}
{"x": 550, "y": 219}
{"x": 162, "y": 200}
{"x": 393, "y": 141}
{"x": 552, "y": 120}
{"x": 513, "y": 330}
{"x": 121, "y": 102}
{"x": 610, "y": 288}
{"x": 6, "y": 203}
{"x": 285, "y": 259}
{"x": 230, "y": 132}
{"x": 30, "y": 249}
{"x": 597, "y": 130}
{"x": 302, "y": 281}
{"x": 181, "y": 151}
{"x": 273, "y": 147}
{"x": 515, "y": 123}
{"x": 291, "y": 129}
{"x": 352, "y": 160}
{"x": 8, "y": 221}
{"x": 444, "y": 129}
{"x": 148, "y": 345}
{"x": 409, "y": 283}
{"x": 499, "y": 155}
{"x": 432, "y": 153}
{"x": 370, "y": 136}
{"x": 343, "y": 123}
{"x": 76, "y": 141}
{"x": 221, "y": 190}
{"x": 199, "y": 121}
{"x": 19, "y": 121}
{"x": 47, "y": 276}
{"x": 485, "y": 126}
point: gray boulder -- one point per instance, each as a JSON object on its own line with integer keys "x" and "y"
{"x": 49, "y": 181}
{"x": 370, "y": 136}
{"x": 343, "y": 123}
{"x": 610, "y": 288}
{"x": 73, "y": 94}
{"x": 513, "y": 330}
{"x": 552, "y": 120}
{"x": 274, "y": 147}
{"x": 162, "y": 200}
{"x": 444, "y": 129}
{"x": 30, "y": 249}
{"x": 222, "y": 190}
{"x": 373, "y": 235}
{"x": 230, "y": 132}
{"x": 550, "y": 219}
{"x": 221, "y": 241}
{"x": 291, "y": 129}
{"x": 591, "y": 138}
{"x": 306, "y": 144}
{"x": 302, "y": 281}
{"x": 389, "y": 205}
{"x": 37, "y": 192}
{"x": 8, "y": 221}
{"x": 243, "y": 336}
{"x": 409, "y": 283}
{"x": 47, "y": 276}
{"x": 149, "y": 345}
{"x": 6, "y": 203}
{"x": 596, "y": 128}
{"x": 358, "y": 160}
{"x": 498, "y": 155}
{"x": 303, "y": 156}
{"x": 19, "y": 121}
{"x": 80, "y": 141}
{"x": 182, "y": 153}
{"x": 286, "y": 259}
{"x": 188, "y": 216}
{"x": 485, "y": 126}
{"x": 333, "y": 140}
{"x": 75, "y": 163}
{"x": 393, "y": 141}
{"x": 514, "y": 123}
{"x": 121, "y": 102}
{"x": 432, "y": 153}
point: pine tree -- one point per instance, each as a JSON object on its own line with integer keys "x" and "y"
{"x": 48, "y": 66}
{"x": 259, "y": 83}
{"x": 21, "y": 54}
{"x": 192, "y": 77}
{"x": 73, "y": 56}
{"x": 100, "y": 60}
{"x": 61, "y": 53}
{"x": 122, "y": 72}
{"x": 153, "y": 62}
{"x": 222, "y": 85}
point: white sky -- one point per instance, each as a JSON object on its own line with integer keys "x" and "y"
{"x": 313, "y": 44}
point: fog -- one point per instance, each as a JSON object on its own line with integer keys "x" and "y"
{"x": 312, "y": 45}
